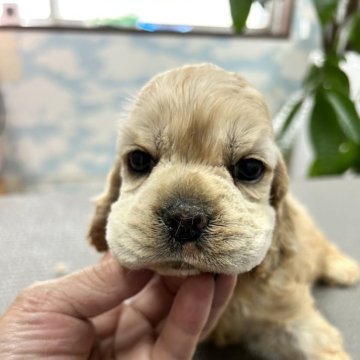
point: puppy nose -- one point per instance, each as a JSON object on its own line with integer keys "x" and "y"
{"x": 185, "y": 221}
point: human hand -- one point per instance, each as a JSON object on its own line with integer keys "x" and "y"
{"x": 85, "y": 315}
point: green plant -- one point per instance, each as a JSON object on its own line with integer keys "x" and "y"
{"x": 334, "y": 124}
{"x": 240, "y": 10}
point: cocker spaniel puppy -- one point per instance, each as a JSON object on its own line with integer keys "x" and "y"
{"x": 200, "y": 186}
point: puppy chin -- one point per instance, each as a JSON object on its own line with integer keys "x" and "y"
{"x": 175, "y": 268}
{"x": 166, "y": 271}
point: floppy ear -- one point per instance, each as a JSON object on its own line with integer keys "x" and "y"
{"x": 279, "y": 186}
{"x": 283, "y": 245}
{"x": 97, "y": 228}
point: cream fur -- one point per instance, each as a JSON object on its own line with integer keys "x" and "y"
{"x": 196, "y": 122}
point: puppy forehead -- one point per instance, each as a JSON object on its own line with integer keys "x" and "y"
{"x": 198, "y": 111}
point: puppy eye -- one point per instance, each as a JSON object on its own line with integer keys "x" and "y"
{"x": 140, "y": 162}
{"x": 248, "y": 170}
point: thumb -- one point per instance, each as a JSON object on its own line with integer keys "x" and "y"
{"x": 86, "y": 293}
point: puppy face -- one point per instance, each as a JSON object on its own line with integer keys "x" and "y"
{"x": 197, "y": 162}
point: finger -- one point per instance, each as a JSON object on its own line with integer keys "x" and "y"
{"x": 105, "y": 324}
{"x": 173, "y": 283}
{"x": 88, "y": 292}
{"x": 186, "y": 320}
{"x": 153, "y": 303}
{"x": 224, "y": 288}
{"x": 155, "y": 300}
{"x": 106, "y": 256}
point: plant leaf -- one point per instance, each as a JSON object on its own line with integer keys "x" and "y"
{"x": 327, "y": 166}
{"x": 335, "y": 79}
{"x": 346, "y": 113}
{"x": 287, "y": 123}
{"x": 325, "y": 10}
{"x": 334, "y": 151}
{"x": 239, "y": 12}
{"x": 355, "y": 34}
{"x": 347, "y": 37}
{"x": 313, "y": 78}
{"x": 356, "y": 166}
{"x": 329, "y": 75}
{"x": 281, "y": 135}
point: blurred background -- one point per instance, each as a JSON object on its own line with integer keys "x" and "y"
{"x": 67, "y": 68}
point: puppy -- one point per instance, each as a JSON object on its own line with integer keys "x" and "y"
{"x": 200, "y": 186}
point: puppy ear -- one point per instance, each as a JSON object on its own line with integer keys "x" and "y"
{"x": 283, "y": 245}
{"x": 97, "y": 228}
{"x": 279, "y": 186}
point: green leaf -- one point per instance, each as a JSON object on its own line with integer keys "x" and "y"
{"x": 346, "y": 113}
{"x": 327, "y": 166}
{"x": 347, "y": 37}
{"x": 329, "y": 76}
{"x": 332, "y": 58}
{"x": 325, "y": 10}
{"x": 325, "y": 134}
{"x": 356, "y": 166}
{"x": 287, "y": 122}
{"x": 354, "y": 37}
{"x": 335, "y": 79}
{"x": 281, "y": 135}
{"x": 334, "y": 151}
{"x": 313, "y": 78}
{"x": 239, "y": 12}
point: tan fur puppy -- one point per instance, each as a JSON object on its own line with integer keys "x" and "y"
{"x": 200, "y": 186}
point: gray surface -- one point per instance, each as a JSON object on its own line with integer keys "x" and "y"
{"x": 39, "y": 231}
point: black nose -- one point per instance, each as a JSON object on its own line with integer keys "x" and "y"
{"x": 185, "y": 220}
